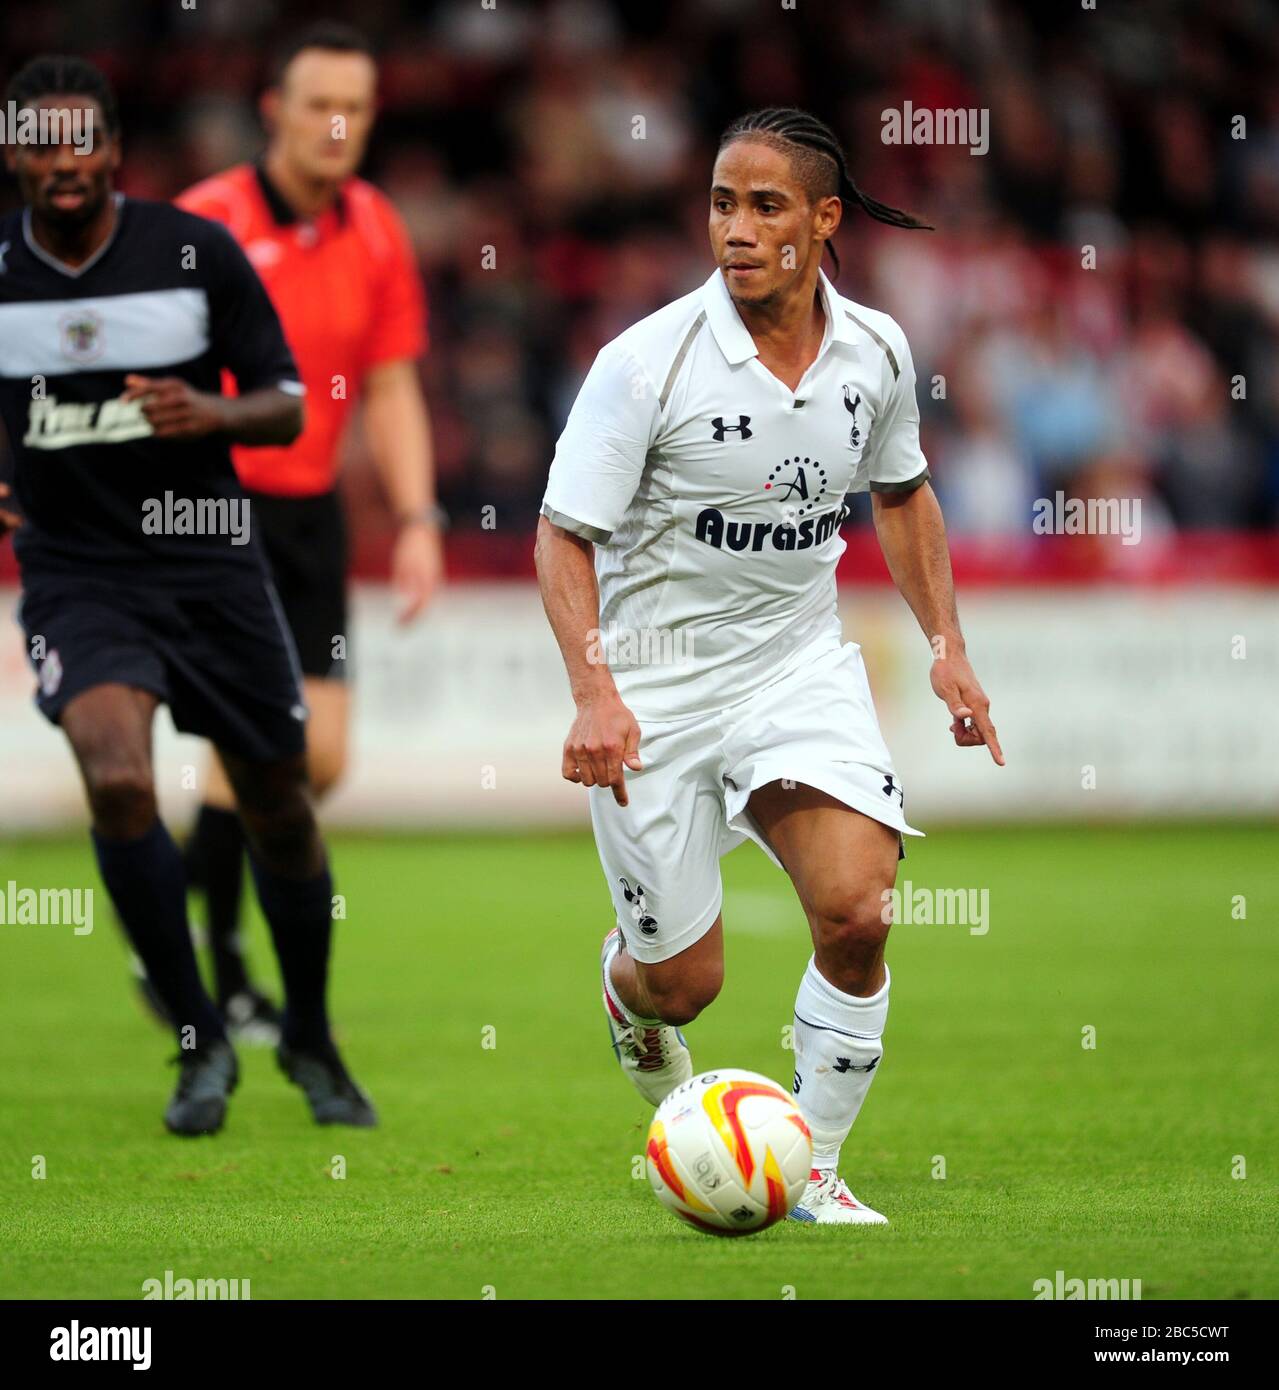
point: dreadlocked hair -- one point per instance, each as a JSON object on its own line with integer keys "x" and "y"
{"x": 60, "y": 74}
{"x": 819, "y": 160}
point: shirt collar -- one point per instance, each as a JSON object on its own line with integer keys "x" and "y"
{"x": 841, "y": 326}
{"x": 282, "y": 213}
{"x": 734, "y": 338}
{"x": 73, "y": 272}
{"x": 732, "y": 335}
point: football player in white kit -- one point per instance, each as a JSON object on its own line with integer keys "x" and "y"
{"x": 686, "y": 554}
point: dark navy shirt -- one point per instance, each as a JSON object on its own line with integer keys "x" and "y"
{"x": 169, "y": 294}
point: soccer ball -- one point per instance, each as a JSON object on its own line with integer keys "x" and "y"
{"x": 729, "y": 1152}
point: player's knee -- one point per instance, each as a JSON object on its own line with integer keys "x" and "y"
{"x": 851, "y": 923}
{"x": 121, "y": 797}
{"x": 680, "y": 1001}
{"x": 283, "y": 834}
{"x": 288, "y": 842}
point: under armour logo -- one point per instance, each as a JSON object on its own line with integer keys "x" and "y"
{"x": 843, "y": 1064}
{"x": 890, "y": 787}
{"x": 850, "y": 405}
{"x": 721, "y": 429}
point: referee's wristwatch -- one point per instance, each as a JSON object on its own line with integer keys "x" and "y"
{"x": 434, "y": 515}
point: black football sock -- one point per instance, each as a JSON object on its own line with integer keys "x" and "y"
{"x": 217, "y": 846}
{"x": 147, "y": 884}
{"x": 299, "y": 913}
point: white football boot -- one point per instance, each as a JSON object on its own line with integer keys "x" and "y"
{"x": 828, "y": 1202}
{"x": 655, "y": 1057}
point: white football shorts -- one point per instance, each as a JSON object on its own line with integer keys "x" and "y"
{"x": 816, "y": 725}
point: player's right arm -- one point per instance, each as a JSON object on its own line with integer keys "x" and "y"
{"x": 599, "y": 461}
{"x": 605, "y": 736}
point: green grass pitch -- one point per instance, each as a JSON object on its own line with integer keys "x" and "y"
{"x": 506, "y": 1170}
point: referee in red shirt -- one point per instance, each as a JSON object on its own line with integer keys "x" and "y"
{"x": 338, "y": 265}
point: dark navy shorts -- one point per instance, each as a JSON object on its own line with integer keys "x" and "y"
{"x": 223, "y": 660}
{"x": 304, "y": 540}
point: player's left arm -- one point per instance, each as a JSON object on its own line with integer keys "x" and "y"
{"x": 398, "y": 428}
{"x": 245, "y": 337}
{"x": 912, "y": 535}
{"x": 177, "y": 410}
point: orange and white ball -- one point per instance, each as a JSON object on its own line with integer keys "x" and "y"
{"x": 729, "y": 1152}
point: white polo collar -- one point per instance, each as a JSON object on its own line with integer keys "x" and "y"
{"x": 734, "y": 338}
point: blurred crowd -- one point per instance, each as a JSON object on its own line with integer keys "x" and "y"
{"x": 1098, "y": 311}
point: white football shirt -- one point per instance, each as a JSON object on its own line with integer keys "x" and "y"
{"x": 714, "y": 493}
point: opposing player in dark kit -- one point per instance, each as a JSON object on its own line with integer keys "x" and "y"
{"x": 141, "y": 580}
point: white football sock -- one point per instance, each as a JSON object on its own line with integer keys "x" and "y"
{"x": 838, "y": 1044}
{"x": 617, "y": 998}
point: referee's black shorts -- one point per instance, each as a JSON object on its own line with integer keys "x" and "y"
{"x": 304, "y": 539}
